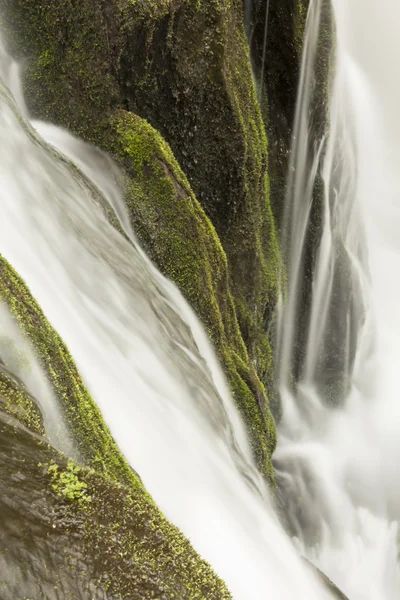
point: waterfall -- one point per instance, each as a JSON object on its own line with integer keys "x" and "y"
{"x": 151, "y": 370}
{"x": 140, "y": 350}
{"x": 336, "y": 465}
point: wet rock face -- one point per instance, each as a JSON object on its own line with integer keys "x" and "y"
{"x": 103, "y": 542}
{"x": 38, "y": 560}
{"x": 185, "y": 68}
{"x": 279, "y": 51}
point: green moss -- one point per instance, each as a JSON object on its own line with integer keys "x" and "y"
{"x": 92, "y": 436}
{"x": 66, "y": 483}
{"x": 181, "y": 240}
{"x": 246, "y": 387}
{"x": 117, "y": 544}
{"x": 16, "y": 401}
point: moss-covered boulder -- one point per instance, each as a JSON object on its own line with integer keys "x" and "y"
{"x": 181, "y": 240}
{"x": 67, "y": 532}
{"x": 84, "y": 533}
{"x": 189, "y": 75}
{"x": 185, "y": 67}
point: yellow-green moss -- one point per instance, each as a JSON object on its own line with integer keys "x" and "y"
{"x": 92, "y": 436}
{"x": 183, "y": 243}
{"x": 82, "y": 531}
{"x": 66, "y": 482}
{"x": 146, "y": 545}
{"x": 16, "y": 401}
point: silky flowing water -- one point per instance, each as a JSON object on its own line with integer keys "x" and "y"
{"x": 337, "y": 467}
{"x": 150, "y": 368}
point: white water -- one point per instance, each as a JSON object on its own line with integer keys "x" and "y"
{"x": 339, "y": 468}
{"x": 16, "y": 353}
{"x": 149, "y": 366}
{"x": 142, "y": 354}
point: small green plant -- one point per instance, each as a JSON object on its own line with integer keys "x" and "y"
{"x": 67, "y": 484}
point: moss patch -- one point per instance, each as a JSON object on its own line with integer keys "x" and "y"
{"x": 67, "y": 484}
{"x": 16, "y": 401}
{"x": 117, "y": 544}
{"x": 93, "y": 438}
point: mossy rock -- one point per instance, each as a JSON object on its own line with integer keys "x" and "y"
{"x": 189, "y": 75}
{"x": 181, "y": 240}
{"x": 17, "y": 402}
{"x": 67, "y": 532}
{"x": 201, "y": 97}
{"x": 93, "y": 439}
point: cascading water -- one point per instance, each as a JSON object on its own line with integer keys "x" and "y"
{"x": 141, "y": 352}
{"x": 149, "y": 366}
{"x": 337, "y": 466}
